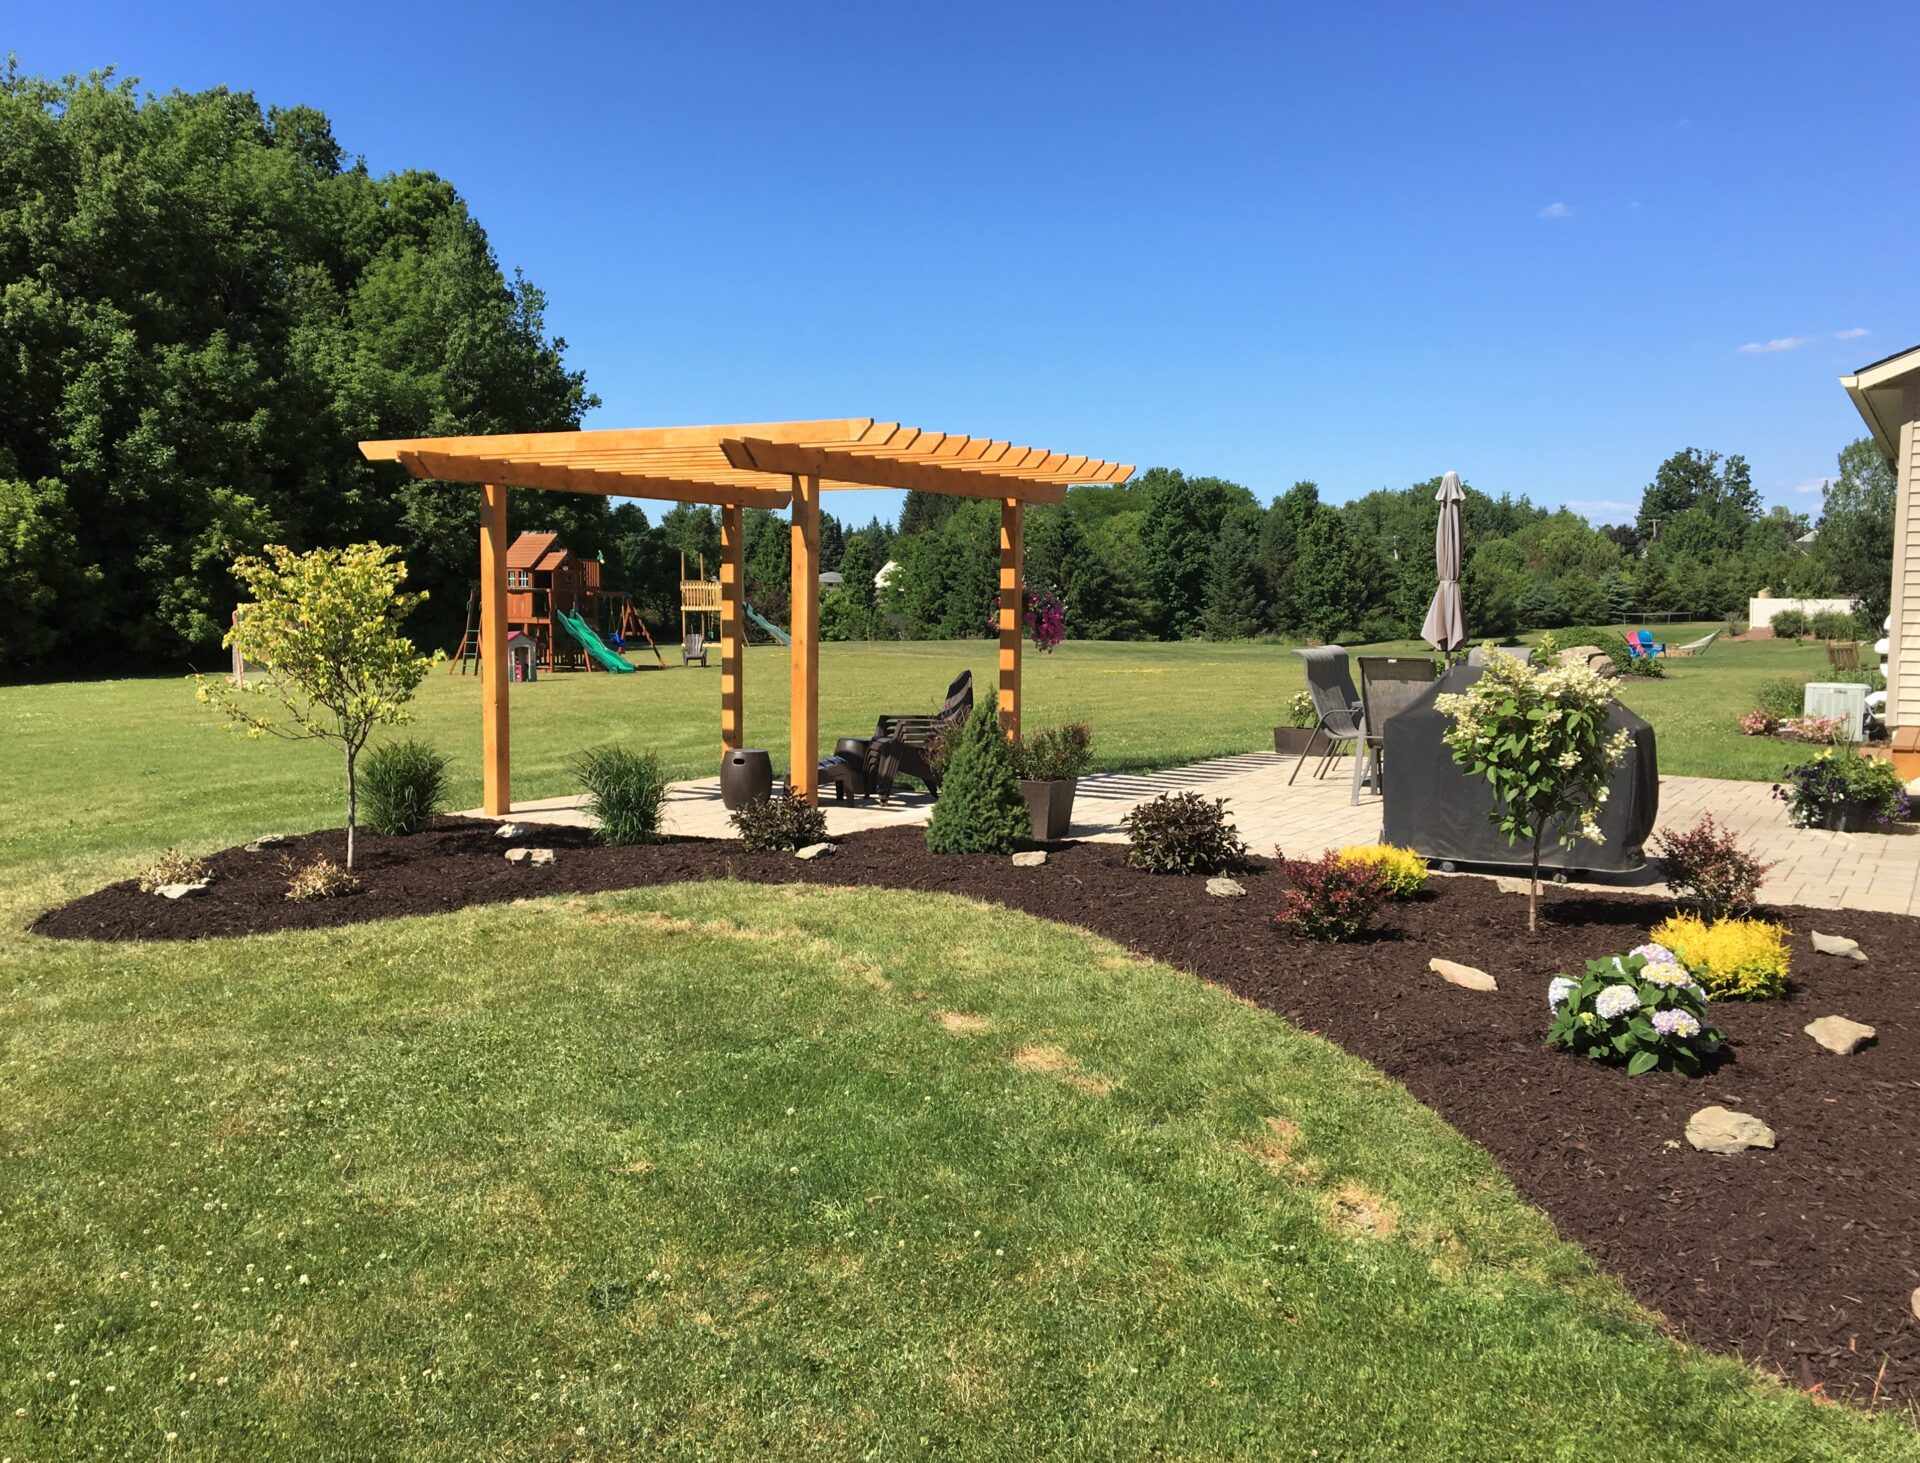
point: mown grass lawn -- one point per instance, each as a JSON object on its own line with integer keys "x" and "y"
{"x": 729, "y": 1172}
{"x": 98, "y": 767}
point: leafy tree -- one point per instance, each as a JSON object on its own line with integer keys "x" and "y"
{"x": 859, "y": 562}
{"x": 980, "y": 809}
{"x": 44, "y": 582}
{"x": 833, "y": 542}
{"x": 1233, "y": 593}
{"x": 1856, "y": 528}
{"x": 1279, "y": 552}
{"x": 1182, "y": 519}
{"x": 1719, "y": 490}
{"x": 767, "y": 549}
{"x": 1330, "y": 577}
{"x": 924, "y": 512}
{"x": 326, "y": 625}
{"x": 206, "y": 305}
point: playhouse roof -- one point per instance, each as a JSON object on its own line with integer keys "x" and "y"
{"x": 751, "y": 464}
{"x": 534, "y": 551}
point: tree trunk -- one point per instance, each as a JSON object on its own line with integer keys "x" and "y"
{"x": 1533, "y": 889}
{"x": 353, "y": 806}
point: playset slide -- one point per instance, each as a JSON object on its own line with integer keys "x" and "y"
{"x": 591, "y": 642}
{"x": 765, "y": 624}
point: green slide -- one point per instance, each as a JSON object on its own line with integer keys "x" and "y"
{"x": 765, "y": 624}
{"x": 592, "y": 643}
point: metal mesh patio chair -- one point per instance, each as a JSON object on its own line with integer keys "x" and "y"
{"x": 1388, "y": 685}
{"x": 1334, "y": 700}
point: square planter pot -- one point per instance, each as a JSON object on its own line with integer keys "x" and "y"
{"x": 1295, "y": 741}
{"x": 1050, "y": 806}
{"x": 1850, "y": 818}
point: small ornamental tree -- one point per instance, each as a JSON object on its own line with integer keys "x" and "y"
{"x": 1540, "y": 740}
{"x": 326, "y": 625}
{"x": 980, "y": 808}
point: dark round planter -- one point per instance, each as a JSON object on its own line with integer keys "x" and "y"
{"x": 1050, "y": 807}
{"x": 746, "y": 776}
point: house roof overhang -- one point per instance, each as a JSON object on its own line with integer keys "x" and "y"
{"x": 1887, "y": 394}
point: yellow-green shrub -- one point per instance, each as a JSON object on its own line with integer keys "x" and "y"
{"x": 1403, "y": 873}
{"x": 1745, "y": 958}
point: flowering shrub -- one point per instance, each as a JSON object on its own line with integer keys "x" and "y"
{"x": 1183, "y": 833}
{"x": 1811, "y": 728}
{"x": 1641, "y": 1008}
{"x": 1403, "y": 873}
{"x": 1707, "y": 865}
{"x": 1759, "y": 722}
{"x": 1046, "y": 621}
{"x": 1300, "y": 710}
{"x": 1744, "y": 958}
{"x": 1840, "y": 779}
{"x": 1329, "y": 898}
{"x": 1540, "y": 740}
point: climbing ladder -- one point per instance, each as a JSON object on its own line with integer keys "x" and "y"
{"x": 469, "y": 647}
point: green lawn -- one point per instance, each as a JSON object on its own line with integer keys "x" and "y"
{"x": 705, "y": 1171}
{"x": 726, "y": 1172}
{"x": 97, "y": 768}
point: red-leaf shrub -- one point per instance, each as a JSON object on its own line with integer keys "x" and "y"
{"x": 1707, "y": 864}
{"x": 1329, "y": 899}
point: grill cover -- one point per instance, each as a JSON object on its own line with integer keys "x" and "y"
{"x": 1435, "y": 808}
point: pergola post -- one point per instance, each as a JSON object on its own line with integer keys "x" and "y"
{"x": 733, "y": 575}
{"x": 496, "y": 792}
{"x": 803, "y": 770}
{"x": 1012, "y": 556}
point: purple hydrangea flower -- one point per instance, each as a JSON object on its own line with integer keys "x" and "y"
{"x": 1616, "y": 1001}
{"x": 1558, "y": 989}
{"x": 1675, "y": 1023}
{"x": 1655, "y": 954}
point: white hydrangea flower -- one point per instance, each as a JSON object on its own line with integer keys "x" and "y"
{"x": 1558, "y": 989}
{"x": 1616, "y": 1001}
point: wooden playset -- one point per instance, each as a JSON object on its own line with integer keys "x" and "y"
{"x": 555, "y": 600}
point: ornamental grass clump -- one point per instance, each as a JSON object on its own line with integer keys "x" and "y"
{"x": 1183, "y": 833}
{"x": 404, "y": 785}
{"x": 1742, "y": 959}
{"x": 1643, "y": 1009}
{"x": 1329, "y": 898}
{"x": 626, "y": 792}
{"x": 1403, "y": 873}
{"x": 773, "y": 825}
{"x": 321, "y": 879}
{"x": 1705, "y": 863}
{"x": 173, "y": 867}
{"x": 980, "y": 808}
{"x": 1540, "y": 740}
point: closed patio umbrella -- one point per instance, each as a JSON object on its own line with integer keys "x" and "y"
{"x": 1446, "y": 626}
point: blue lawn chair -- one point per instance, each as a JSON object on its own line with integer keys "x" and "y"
{"x": 1641, "y": 646}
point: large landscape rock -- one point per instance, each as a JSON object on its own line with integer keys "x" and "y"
{"x": 1839, "y": 1035}
{"x": 511, "y": 830}
{"x": 266, "y": 841}
{"x": 182, "y": 891}
{"x": 1721, "y": 1130}
{"x": 1222, "y": 887}
{"x": 815, "y": 850}
{"x": 1837, "y": 945}
{"x": 1031, "y": 858}
{"x": 529, "y": 855}
{"x": 1467, "y": 977}
{"x": 1592, "y": 657}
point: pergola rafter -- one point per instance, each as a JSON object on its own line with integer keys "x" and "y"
{"x": 747, "y": 465}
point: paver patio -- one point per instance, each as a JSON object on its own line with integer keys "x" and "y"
{"x": 1875, "y": 871}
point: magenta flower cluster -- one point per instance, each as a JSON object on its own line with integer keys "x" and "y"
{"x": 1046, "y": 621}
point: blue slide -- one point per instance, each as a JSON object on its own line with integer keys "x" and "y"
{"x": 592, "y": 643}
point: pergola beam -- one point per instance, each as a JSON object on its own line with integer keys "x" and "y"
{"x": 843, "y": 467}
{"x": 445, "y": 467}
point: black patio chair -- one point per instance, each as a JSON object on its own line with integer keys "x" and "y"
{"x": 900, "y": 743}
{"x": 1388, "y": 685}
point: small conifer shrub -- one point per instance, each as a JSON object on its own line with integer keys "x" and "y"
{"x": 980, "y": 808}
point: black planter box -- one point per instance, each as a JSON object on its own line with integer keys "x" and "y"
{"x": 1296, "y": 741}
{"x": 1050, "y": 805}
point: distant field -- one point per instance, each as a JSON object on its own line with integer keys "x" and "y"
{"x": 143, "y": 757}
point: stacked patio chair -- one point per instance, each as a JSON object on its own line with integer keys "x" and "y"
{"x": 861, "y": 766}
{"x": 1334, "y": 700}
{"x": 1388, "y": 685}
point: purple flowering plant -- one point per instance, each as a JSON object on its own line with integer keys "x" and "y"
{"x": 1642, "y": 1010}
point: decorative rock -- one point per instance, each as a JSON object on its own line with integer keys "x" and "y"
{"x": 1720, "y": 1130}
{"x": 268, "y": 840}
{"x": 511, "y": 830}
{"x": 182, "y": 891}
{"x": 1226, "y": 888}
{"x": 1839, "y": 1035}
{"x": 1837, "y": 945}
{"x": 529, "y": 855}
{"x": 1915, "y": 1303}
{"x": 1031, "y": 859}
{"x": 816, "y": 850}
{"x": 1465, "y": 976}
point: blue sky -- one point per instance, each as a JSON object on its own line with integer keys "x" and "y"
{"x": 1544, "y": 245}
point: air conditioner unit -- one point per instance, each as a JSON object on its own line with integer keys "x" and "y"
{"x": 1842, "y": 699}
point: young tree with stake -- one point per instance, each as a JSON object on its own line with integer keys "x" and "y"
{"x": 326, "y": 625}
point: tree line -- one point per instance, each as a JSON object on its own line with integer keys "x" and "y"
{"x": 206, "y": 303}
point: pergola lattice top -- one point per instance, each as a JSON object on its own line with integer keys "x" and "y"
{"x": 750, "y": 464}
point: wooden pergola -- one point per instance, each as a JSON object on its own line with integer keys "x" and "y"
{"x": 754, "y": 465}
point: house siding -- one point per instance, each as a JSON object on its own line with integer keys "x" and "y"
{"x": 1903, "y": 661}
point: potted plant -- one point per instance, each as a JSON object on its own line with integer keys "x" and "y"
{"x": 1049, "y": 764}
{"x": 1294, "y": 737}
{"x": 1842, "y": 791}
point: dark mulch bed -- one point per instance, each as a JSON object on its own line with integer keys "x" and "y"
{"x": 1801, "y": 1259}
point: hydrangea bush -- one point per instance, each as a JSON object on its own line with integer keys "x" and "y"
{"x": 1643, "y": 1009}
{"x": 1540, "y": 740}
